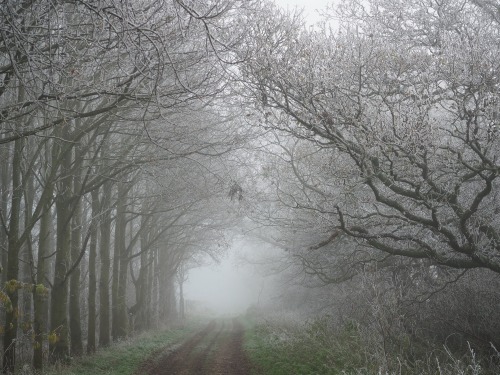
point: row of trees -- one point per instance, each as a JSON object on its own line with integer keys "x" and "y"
{"x": 382, "y": 155}
{"x": 377, "y": 149}
{"x": 111, "y": 146}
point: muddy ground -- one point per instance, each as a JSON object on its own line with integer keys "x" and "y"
{"x": 216, "y": 349}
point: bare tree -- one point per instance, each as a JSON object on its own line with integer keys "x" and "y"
{"x": 403, "y": 103}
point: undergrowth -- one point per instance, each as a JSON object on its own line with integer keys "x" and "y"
{"x": 314, "y": 347}
{"x": 281, "y": 349}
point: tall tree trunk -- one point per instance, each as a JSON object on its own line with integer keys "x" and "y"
{"x": 9, "y": 339}
{"x": 41, "y": 288}
{"x": 120, "y": 262}
{"x": 181, "y": 279}
{"x": 26, "y": 294}
{"x": 156, "y": 290}
{"x": 75, "y": 327}
{"x": 114, "y": 282}
{"x": 168, "y": 304}
{"x": 40, "y": 292}
{"x": 104, "y": 308}
{"x": 59, "y": 349}
{"x": 27, "y": 266}
{"x": 151, "y": 301}
{"x": 142, "y": 292}
{"x": 182, "y": 312}
{"x": 91, "y": 330}
{"x": 166, "y": 277}
{"x": 122, "y": 315}
{"x": 5, "y": 185}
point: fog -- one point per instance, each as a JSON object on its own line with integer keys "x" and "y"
{"x": 234, "y": 284}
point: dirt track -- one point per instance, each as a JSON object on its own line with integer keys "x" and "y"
{"x": 217, "y": 349}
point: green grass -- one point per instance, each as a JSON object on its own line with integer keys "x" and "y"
{"x": 305, "y": 350}
{"x": 316, "y": 348}
{"x": 122, "y": 358}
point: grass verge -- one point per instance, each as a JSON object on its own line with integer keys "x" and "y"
{"x": 125, "y": 357}
{"x": 316, "y": 348}
{"x": 275, "y": 350}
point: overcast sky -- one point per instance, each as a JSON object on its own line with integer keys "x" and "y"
{"x": 310, "y": 7}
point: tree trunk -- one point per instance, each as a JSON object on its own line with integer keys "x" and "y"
{"x": 27, "y": 264}
{"x": 75, "y": 327}
{"x": 91, "y": 337}
{"x": 166, "y": 277}
{"x": 5, "y": 184}
{"x": 167, "y": 299}
{"x": 114, "y": 286}
{"x": 41, "y": 288}
{"x": 151, "y": 297}
{"x": 122, "y": 315}
{"x": 182, "y": 312}
{"x": 120, "y": 262}
{"x": 141, "y": 290}
{"x": 104, "y": 313}
{"x": 9, "y": 339}
{"x": 169, "y": 303}
{"x": 40, "y": 291}
{"x": 59, "y": 349}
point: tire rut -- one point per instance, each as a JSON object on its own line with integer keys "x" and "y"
{"x": 215, "y": 350}
{"x": 175, "y": 356}
{"x": 199, "y": 363}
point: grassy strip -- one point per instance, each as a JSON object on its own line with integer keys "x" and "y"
{"x": 315, "y": 348}
{"x": 268, "y": 358}
{"x": 125, "y": 357}
{"x": 304, "y": 350}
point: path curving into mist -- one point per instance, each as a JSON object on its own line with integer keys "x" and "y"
{"x": 217, "y": 349}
